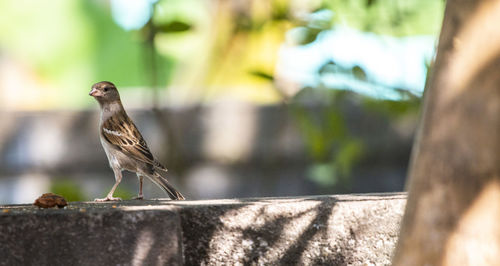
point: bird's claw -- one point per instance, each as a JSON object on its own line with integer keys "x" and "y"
{"x": 138, "y": 197}
{"x": 107, "y": 199}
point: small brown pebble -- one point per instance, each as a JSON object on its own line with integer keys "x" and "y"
{"x": 5, "y": 210}
{"x": 82, "y": 210}
{"x": 50, "y": 200}
{"x": 114, "y": 206}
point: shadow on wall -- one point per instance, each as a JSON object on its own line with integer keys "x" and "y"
{"x": 314, "y": 230}
{"x": 311, "y": 232}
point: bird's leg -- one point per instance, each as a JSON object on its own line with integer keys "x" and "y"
{"x": 141, "y": 178}
{"x": 118, "y": 179}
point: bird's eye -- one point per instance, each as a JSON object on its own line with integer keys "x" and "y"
{"x": 105, "y": 89}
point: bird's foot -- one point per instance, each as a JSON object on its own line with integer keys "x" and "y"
{"x": 108, "y": 198}
{"x": 140, "y": 197}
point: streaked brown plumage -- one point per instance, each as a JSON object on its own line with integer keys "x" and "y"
{"x": 124, "y": 145}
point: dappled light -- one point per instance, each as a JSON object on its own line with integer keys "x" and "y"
{"x": 145, "y": 240}
{"x": 467, "y": 62}
{"x": 250, "y": 110}
{"x": 312, "y": 230}
{"x": 452, "y": 205}
{"x": 327, "y": 230}
{"x": 479, "y": 223}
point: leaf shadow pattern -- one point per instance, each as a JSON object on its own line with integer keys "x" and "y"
{"x": 299, "y": 231}
{"x": 317, "y": 226}
{"x": 198, "y": 229}
{"x": 261, "y": 238}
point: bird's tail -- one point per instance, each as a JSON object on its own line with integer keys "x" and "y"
{"x": 166, "y": 186}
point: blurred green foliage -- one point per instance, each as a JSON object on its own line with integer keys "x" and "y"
{"x": 70, "y": 45}
{"x": 393, "y": 109}
{"x": 71, "y": 191}
{"x": 124, "y": 193}
{"x": 202, "y": 50}
{"x": 68, "y": 189}
{"x": 333, "y": 149}
{"x": 389, "y": 17}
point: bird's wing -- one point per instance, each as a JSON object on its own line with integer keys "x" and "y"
{"x": 121, "y": 132}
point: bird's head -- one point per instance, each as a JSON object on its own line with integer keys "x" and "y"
{"x": 105, "y": 92}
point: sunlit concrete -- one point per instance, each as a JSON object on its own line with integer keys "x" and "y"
{"x": 313, "y": 230}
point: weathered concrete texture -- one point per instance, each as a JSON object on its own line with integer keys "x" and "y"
{"x": 315, "y": 230}
{"x": 322, "y": 230}
{"x": 90, "y": 234}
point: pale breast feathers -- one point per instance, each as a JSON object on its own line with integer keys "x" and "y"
{"x": 120, "y": 131}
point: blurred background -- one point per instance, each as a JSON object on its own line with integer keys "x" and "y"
{"x": 238, "y": 98}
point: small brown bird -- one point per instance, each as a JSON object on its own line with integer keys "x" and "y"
{"x": 124, "y": 145}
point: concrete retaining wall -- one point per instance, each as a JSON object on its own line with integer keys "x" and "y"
{"x": 313, "y": 230}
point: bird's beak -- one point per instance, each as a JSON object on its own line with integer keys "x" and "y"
{"x": 94, "y": 92}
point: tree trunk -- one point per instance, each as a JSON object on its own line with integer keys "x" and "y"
{"x": 453, "y": 212}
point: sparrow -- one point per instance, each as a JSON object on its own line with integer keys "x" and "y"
{"x": 124, "y": 145}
